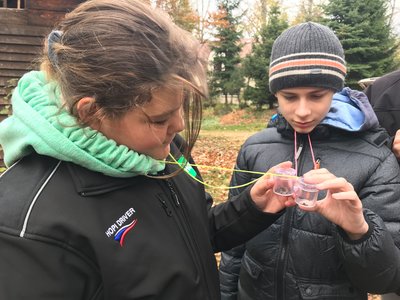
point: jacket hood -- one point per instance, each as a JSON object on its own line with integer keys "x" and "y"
{"x": 350, "y": 111}
{"x": 41, "y": 124}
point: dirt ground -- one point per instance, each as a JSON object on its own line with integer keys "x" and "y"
{"x": 219, "y": 149}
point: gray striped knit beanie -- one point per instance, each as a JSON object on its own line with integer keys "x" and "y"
{"x": 307, "y": 55}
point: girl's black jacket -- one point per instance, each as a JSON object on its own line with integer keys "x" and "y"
{"x": 69, "y": 233}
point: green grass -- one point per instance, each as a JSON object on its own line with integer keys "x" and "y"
{"x": 210, "y": 123}
{"x": 250, "y": 119}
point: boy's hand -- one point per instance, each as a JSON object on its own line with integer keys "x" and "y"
{"x": 341, "y": 205}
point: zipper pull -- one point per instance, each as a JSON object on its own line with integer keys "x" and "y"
{"x": 164, "y": 206}
{"x": 174, "y": 195}
{"x": 299, "y": 150}
{"x": 317, "y": 164}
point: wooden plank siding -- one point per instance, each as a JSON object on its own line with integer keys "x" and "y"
{"x": 44, "y": 18}
{"x": 20, "y": 47}
{"x": 54, "y": 5}
{"x": 22, "y": 35}
{"x": 48, "y": 13}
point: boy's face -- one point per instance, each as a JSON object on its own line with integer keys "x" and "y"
{"x": 304, "y": 107}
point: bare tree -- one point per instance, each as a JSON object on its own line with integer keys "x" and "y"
{"x": 392, "y": 10}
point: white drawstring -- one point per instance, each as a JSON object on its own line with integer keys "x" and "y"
{"x": 316, "y": 164}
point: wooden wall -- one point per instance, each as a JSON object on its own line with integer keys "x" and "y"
{"x": 22, "y": 34}
{"x": 20, "y": 46}
{"x": 49, "y": 12}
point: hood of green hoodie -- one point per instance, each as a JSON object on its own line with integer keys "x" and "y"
{"x": 40, "y": 124}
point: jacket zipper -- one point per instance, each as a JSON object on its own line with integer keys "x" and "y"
{"x": 164, "y": 205}
{"x": 282, "y": 260}
{"x": 188, "y": 232}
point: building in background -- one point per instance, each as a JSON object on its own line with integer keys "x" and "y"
{"x": 23, "y": 27}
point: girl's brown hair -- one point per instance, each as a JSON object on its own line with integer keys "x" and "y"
{"x": 118, "y": 52}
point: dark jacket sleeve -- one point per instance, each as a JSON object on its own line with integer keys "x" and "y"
{"x": 373, "y": 262}
{"x": 384, "y": 97}
{"x": 235, "y": 221}
{"x": 230, "y": 263}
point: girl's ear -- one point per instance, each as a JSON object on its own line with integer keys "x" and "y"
{"x": 87, "y": 108}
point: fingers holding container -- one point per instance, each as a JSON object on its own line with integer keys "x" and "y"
{"x": 288, "y": 184}
{"x": 341, "y": 204}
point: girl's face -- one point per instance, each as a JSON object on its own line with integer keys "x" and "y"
{"x": 304, "y": 107}
{"x": 151, "y": 128}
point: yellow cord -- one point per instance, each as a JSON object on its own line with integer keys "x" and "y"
{"x": 225, "y": 169}
{"x": 214, "y": 167}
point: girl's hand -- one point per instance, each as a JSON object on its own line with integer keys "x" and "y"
{"x": 264, "y": 197}
{"x": 341, "y": 204}
{"x": 396, "y": 144}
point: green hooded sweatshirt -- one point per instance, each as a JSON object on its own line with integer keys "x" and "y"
{"x": 40, "y": 124}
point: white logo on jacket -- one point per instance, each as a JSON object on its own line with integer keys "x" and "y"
{"x": 120, "y": 222}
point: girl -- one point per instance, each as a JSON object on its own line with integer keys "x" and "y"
{"x": 90, "y": 208}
